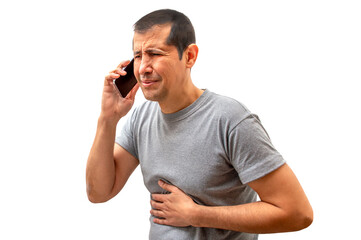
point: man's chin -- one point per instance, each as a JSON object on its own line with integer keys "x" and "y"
{"x": 153, "y": 94}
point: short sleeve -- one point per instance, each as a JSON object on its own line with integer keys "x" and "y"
{"x": 126, "y": 136}
{"x": 250, "y": 150}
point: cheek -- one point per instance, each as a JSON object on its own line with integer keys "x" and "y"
{"x": 136, "y": 71}
{"x": 160, "y": 70}
{"x": 167, "y": 70}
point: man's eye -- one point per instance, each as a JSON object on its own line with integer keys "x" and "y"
{"x": 137, "y": 56}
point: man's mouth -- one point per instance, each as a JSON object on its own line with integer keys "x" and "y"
{"x": 148, "y": 82}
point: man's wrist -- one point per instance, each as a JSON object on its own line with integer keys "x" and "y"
{"x": 196, "y": 215}
{"x": 109, "y": 120}
{"x": 106, "y": 122}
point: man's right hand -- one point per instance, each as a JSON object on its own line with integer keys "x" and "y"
{"x": 114, "y": 106}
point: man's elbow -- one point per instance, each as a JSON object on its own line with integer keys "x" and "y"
{"x": 93, "y": 197}
{"x": 301, "y": 219}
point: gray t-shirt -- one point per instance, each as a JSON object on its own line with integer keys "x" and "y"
{"x": 210, "y": 150}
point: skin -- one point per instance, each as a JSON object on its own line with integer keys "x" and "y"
{"x": 283, "y": 205}
{"x": 161, "y": 75}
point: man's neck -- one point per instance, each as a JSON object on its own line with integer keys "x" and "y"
{"x": 181, "y": 100}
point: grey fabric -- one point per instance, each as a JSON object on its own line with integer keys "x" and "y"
{"x": 210, "y": 150}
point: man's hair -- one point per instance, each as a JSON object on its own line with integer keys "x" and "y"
{"x": 181, "y": 34}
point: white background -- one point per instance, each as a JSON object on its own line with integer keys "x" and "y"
{"x": 294, "y": 63}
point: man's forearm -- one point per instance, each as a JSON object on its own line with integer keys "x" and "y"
{"x": 283, "y": 207}
{"x": 258, "y": 217}
{"x": 100, "y": 172}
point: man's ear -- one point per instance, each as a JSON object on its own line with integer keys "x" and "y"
{"x": 191, "y": 54}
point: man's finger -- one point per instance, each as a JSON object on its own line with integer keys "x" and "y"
{"x": 159, "y": 197}
{"x": 109, "y": 78}
{"x": 112, "y": 76}
{"x": 156, "y": 205}
{"x": 157, "y": 213}
{"x": 167, "y": 187}
{"x": 123, "y": 64}
{"x": 119, "y": 71}
{"x": 160, "y": 221}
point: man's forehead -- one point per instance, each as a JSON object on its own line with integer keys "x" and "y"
{"x": 155, "y": 37}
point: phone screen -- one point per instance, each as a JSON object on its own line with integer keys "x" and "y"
{"x": 126, "y": 83}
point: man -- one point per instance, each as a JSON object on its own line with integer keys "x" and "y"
{"x": 204, "y": 157}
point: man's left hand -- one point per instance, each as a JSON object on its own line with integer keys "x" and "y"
{"x": 174, "y": 209}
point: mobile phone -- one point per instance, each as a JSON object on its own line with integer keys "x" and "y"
{"x": 126, "y": 83}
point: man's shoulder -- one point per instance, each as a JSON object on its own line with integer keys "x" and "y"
{"x": 228, "y": 107}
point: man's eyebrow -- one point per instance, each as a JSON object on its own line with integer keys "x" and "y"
{"x": 150, "y": 50}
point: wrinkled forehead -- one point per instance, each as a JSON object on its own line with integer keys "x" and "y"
{"x": 154, "y": 37}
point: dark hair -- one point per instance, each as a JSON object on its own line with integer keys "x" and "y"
{"x": 181, "y": 34}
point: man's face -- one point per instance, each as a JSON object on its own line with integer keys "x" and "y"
{"x": 157, "y": 67}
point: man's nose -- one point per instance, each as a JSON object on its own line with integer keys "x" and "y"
{"x": 145, "y": 66}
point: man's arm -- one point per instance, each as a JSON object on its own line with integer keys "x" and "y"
{"x": 109, "y": 165}
{"x": 283, "y": 207}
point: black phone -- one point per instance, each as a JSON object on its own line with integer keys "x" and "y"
{"x": 126, "y": 83}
